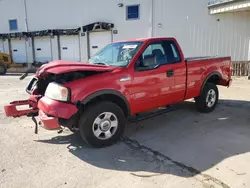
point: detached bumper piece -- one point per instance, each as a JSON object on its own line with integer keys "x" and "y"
{"x": 49, "y": 123}
{"x": 11, "y": 109}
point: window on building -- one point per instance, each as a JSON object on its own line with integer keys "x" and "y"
{"x": 133, "y": 12}
{"x": 13, "y": 25}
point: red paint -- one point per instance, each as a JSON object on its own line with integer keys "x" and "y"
{"x": 60, "y": 66}
{"x": 56, "y": 108}
{"x": 144, "y": 90}
{"x": 150, "y": 89}
{"x": 49, "y": 123}
{"x": 11, "y": 109}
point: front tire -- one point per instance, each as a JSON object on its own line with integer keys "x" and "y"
{"x": 102, "y": 124}
{"x": 208, "y": 98}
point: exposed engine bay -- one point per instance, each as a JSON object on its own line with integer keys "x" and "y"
{"x": 39, "y": 85}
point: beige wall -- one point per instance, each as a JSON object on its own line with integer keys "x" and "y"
{"x": 12, "y": 9}
{"x": 198, "y": 32}
{"x": 59, "y": 14}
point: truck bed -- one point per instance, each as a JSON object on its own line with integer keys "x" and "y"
{"x": 199, "y": 68}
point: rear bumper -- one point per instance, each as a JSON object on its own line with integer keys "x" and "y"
{"x": 49, "y": 123}
{"x": 226, "y": 82}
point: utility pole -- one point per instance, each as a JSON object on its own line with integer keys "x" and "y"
{"x": 27, "y": 29}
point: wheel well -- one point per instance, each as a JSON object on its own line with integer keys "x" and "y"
{"x": 214, "y": 79}
{"x": 113, "y": 98}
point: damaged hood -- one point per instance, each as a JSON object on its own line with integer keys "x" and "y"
{"x": 60, "y": 66}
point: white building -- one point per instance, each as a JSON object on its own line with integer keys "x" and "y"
{"x": 45, "y": 30}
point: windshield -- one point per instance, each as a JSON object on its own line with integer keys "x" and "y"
{"x": 117, "y": 54}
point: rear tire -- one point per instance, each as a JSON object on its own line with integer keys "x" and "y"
{"x": 208, "y": 98}
{"x": 3, "y": 69}
{"x": 102, "y": 124}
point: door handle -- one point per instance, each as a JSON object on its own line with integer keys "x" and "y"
{"x": 170, "y": 73}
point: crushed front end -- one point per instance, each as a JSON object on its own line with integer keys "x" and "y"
{"x": 49, "y": 98}
{"x": 52, "y": 113}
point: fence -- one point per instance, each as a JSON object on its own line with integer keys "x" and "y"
{"x": 240, "y": 68}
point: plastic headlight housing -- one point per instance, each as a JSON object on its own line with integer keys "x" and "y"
{"x": 57, "y": 92}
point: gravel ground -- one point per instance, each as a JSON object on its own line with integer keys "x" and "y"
{"x": 179, "y": 149}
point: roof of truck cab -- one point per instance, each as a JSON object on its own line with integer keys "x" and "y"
{"x": 144, "y": 39}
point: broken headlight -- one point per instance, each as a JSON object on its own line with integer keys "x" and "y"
{"x": 57, "y": 92}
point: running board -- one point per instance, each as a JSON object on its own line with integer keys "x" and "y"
{"x": 159, "y": 111}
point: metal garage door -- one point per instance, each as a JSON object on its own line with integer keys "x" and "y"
{"x": 42, "y": 47}
{"x": 18, "y": 48}
{"x": 98, "y": 40}
{"x": 69, "y": 48}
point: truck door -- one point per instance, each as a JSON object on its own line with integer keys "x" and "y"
{"x": 150, "y": 79}
{"x": 175, "y": 69}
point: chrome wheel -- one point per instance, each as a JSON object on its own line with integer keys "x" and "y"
{"x": 105, "y": 125}
{"x": 211, "y": 98}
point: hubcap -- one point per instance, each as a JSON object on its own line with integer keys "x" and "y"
{"x": 211, "y": 98}
{"x": 105, "y": 125}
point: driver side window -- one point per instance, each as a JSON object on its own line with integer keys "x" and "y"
{"x": 153, "y": 56}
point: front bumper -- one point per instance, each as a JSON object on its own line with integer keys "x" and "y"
{"x": 12, "y": 111}
{"x": 53, "y": 114}
{"x": 56, "y": 108}
{"x": 49, "y": 123}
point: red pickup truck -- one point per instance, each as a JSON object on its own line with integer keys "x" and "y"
{"x": 123, "y": 79}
